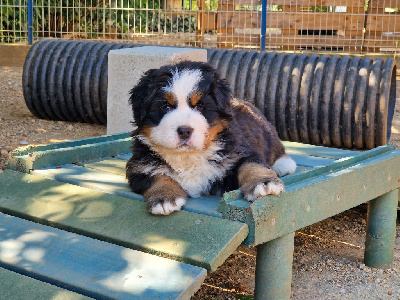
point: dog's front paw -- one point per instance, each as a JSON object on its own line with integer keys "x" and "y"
{"x": 166, "y": 206}
{"x": 272, "y": 186}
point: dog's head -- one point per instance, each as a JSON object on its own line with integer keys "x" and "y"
{"x": 181, "y": 107}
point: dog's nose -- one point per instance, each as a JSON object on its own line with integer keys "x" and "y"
{"x": 184, "y": 132}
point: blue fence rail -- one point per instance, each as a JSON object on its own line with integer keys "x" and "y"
{"x": 357, "y": 26}
{"x": 144, "y": 21}
{"x": 29, "y": 20}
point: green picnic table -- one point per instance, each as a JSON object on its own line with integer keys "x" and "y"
{"x": 69, "y": 224}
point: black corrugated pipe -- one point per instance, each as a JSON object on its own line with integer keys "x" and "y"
{"x": 67, "y": 80}
{"x": 338, "y": 101}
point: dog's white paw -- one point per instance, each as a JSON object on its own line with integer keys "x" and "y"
{"x": 168, "y": 207}
{"x": 262, "y": 189}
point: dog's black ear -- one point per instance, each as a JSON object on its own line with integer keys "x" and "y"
{"x": 223, "y": 95}
{"x": 141, "y": 95}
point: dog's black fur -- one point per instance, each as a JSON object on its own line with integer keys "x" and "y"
{"x": 247, "y": 142}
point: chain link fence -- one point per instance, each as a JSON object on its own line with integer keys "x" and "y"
{"x": 318, "y": 25}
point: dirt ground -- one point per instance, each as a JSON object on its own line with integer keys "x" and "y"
{"x": 328, "y": 260}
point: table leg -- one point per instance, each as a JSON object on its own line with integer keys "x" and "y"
{"x": 381, "y": 231}
{"x": 274, "y": 268}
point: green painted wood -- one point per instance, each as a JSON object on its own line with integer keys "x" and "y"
{"x": 274, "y": 268}
{"x": 311, "y": 161}
{"x": 339, "y": 164}
{"x": 91, "y": 267}
{"x": 318, "y": 151}
{"x": 118, "y": 185}
{"x": 110, "y": 165}
{"x": 90, "y": 178}
{"x": 125, "y": 156}
{"x": 314, "y": 199}
{"x": 381, "y": 231}
{"x": 14, "y": 286}
{"x": 74, "y": 143}
{"x": 70, "y": 152}
{"x": 184, "y": 236}
{"x": 117, "y": 165}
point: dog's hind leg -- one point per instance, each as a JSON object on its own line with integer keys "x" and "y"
{"x": 284, "y": 165}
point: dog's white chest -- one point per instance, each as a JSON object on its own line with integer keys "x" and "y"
{"x": 195, "y": 172}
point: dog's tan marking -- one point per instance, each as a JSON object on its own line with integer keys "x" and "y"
{"x": 164, "y": 189}
{"x": 195, "y": 98}
{"x": 253, "y": 173}
{"x": 213, "y": 131}
{"x": 146, "y": 131}
{"x": 170, "y": 98}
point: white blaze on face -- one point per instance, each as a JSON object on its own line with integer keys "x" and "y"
{"x": 165, "y": 134}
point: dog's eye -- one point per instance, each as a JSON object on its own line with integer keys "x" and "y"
{"x": 167, "y": 106}
{"x": 199, "y": 106}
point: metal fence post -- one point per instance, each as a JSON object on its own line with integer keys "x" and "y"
{"x": 263, "y": 23}
{"x": 30, "y": 22}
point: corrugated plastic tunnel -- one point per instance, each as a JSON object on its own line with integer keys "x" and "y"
{"x": 338, "y": 101}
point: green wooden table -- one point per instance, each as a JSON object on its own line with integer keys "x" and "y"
{"x": 79, "y": 188}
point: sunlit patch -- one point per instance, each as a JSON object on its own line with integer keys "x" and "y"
{"x": 15, "y": 250}
{"x": 34, "y": 255}
{"x": 332, "y": 240}
{"x": 57, "y": 141}
{"x": 146, "y": 272}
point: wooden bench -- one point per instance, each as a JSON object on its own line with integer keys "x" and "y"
{"x": 70, "y": 223}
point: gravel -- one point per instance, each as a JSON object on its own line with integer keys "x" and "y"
{"x": 328, "y": 258}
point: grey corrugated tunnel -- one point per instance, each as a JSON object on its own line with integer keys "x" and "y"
{"x": 338, "y": 101}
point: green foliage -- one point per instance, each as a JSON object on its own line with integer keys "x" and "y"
{"x": 93, "y": 19}
{"x": 12, "y": 21}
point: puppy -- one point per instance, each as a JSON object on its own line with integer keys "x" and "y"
{"x": 193, "y": 138}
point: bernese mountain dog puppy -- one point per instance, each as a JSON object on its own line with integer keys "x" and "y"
{"x": 193, "y": 138}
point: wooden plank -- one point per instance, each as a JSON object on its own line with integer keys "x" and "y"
{"x": 359, "y": 3}
{"x": 65, "y": 153}
{"x": 311, "y": 161}
{"x": 339, "y": 164}
{"x": 86, "y": 141}
{"x": 125, "y": 156}
{"x": 319, "y": 151}
{"x": 297, "y": 33}
{"x": 318, "y": 42}
{"x": 316, "y": 197}
{"x": 207, "y": 20}
{"x": 184, "y": 236}
{"x": 17, "y": 286}
{"x": 290, "y": 20}
{"x": 239, "y": 19}
{"x": 92, "y": 267}
{"x": 383, "y": 23}
{"x": 108, "y": 165}
{"x": 315, "y": 41}
{"x": 376, "y": 43}
{"x": 384, "y": 3}
{"x": 118, "y": 185}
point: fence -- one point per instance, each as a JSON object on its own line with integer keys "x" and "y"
{"x": 329, "y": 25}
